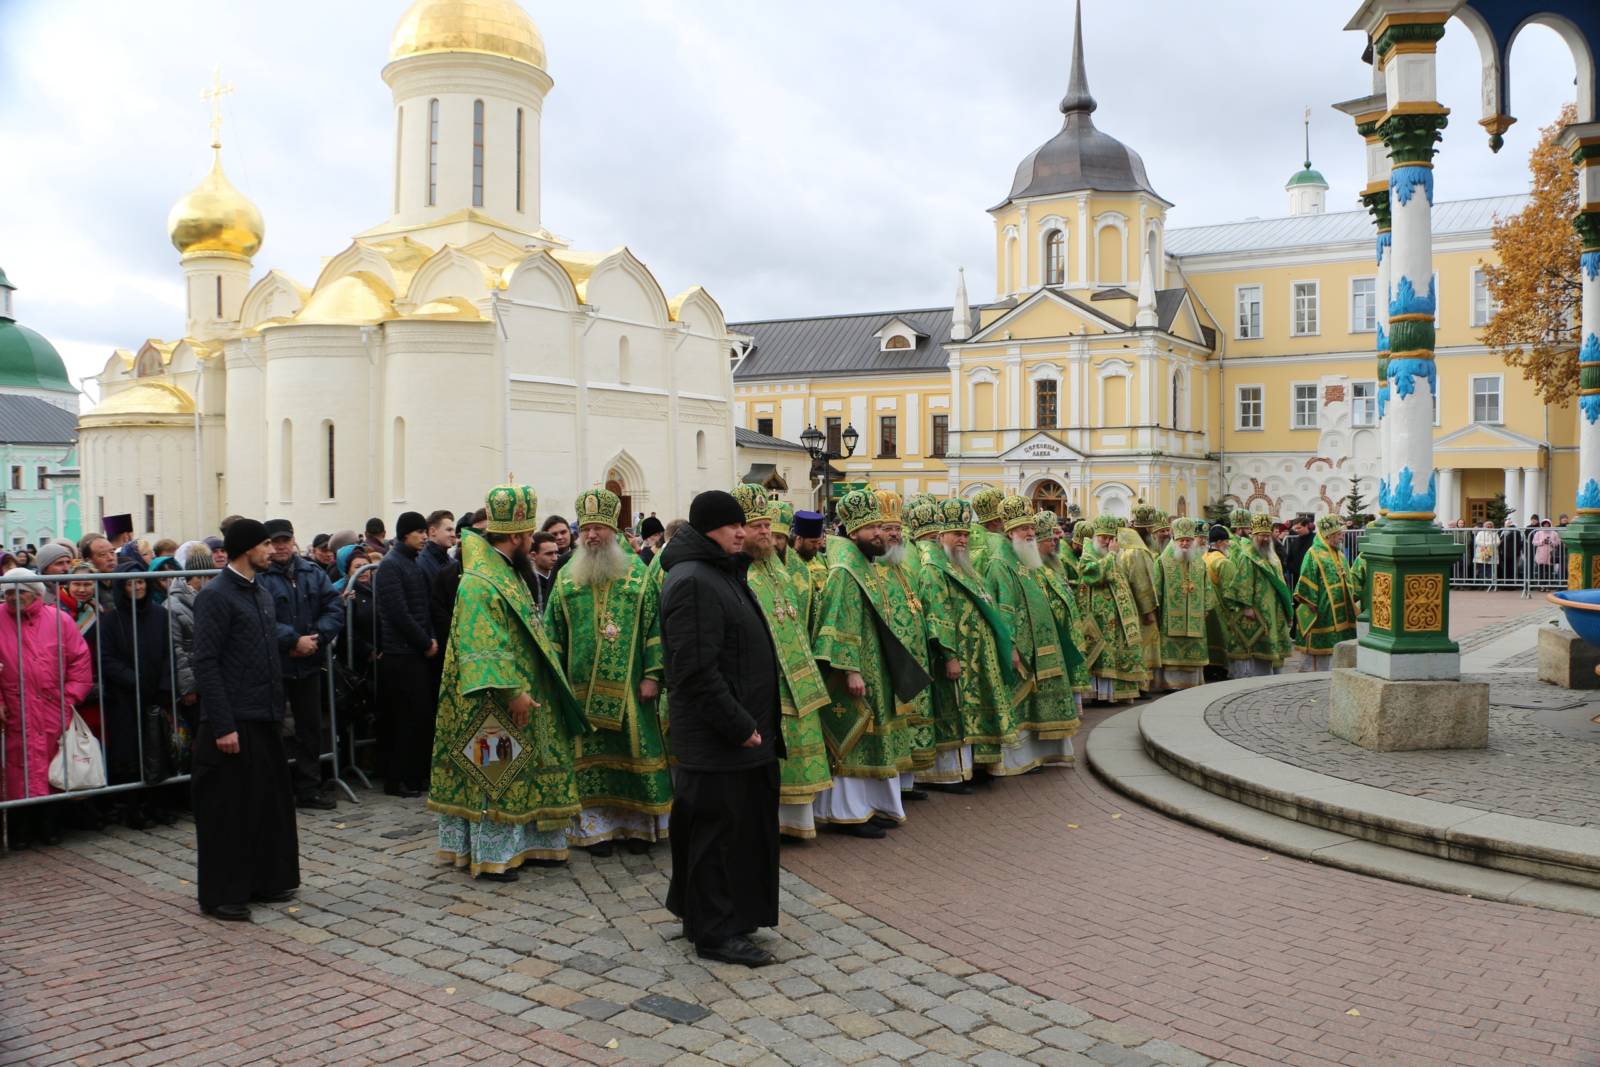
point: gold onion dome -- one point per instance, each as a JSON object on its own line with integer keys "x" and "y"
{"x": 216, "y": 217}
{"x": 493, "y": 27}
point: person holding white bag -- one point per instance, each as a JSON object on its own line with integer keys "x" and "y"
{"x": 45, "y": 671}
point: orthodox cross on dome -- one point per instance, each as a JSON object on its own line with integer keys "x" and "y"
{"x": 1077, "y": 98}
{"x": 1308, "y": 137}
{"x": 214, "y": 93}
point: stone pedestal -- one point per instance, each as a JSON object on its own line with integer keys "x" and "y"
{"x": 1567, "y": 660}
{"x": 1396, "y": 716}
{"x": 1344, "y": 654}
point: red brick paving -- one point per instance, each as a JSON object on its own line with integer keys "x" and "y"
{"x": 1235, "y": 953}
{"x": 160, "y": 984}
{"x": 1474, "y": 609}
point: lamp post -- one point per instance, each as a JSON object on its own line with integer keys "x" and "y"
{"x": 821, "y": 458}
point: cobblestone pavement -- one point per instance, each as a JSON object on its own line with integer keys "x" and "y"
{"x": 386, "y": 957}
{"x": 1537, "y": 765}
{"x": 1478, "y": 616}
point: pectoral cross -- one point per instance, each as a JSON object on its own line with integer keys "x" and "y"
{"x": 610, "y": 632}
{"x": 214, "y": 93}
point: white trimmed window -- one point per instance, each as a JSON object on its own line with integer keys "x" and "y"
{"x": 1251, "y": 407}
{"x": 1363, "y": 305}
{"x": 1486, "y": 399}
{"x": 1363, "y": 403}
{"x": 1483, "y": 306}
{"x": 1307, "y": 318}
{"x": 1303, "y": 413}
{"x": 1247, "y": 317}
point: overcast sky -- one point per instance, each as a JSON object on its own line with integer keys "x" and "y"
{"x": 793, "y": 158}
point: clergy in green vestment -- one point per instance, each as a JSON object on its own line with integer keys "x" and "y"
{"x": 1050, "y": 709}
{"x": 1117, "y": 665}
{"x": 1325, "y": 597}
{"x": 781, "y": 514}
{"x": 899, "y": 565}
{"x": 503, "y": 782}
{"x": 977, "y": 695}
{"x": 1138, "y": 564}
{"x": 872, "y": 678}
{"x": 1059, "y": 579}
{"x": 1259, "y": 604}
{"x": 604, "y": 622}
{"x": 1186, "y": 604}
{"x": 986, "y": 524}
{"x": 1239, "y": 521}
{"x": 803, "y": 771}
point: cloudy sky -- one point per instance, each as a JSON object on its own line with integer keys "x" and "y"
{"x": 795, "y": 159}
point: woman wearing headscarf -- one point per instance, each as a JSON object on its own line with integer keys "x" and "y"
{"x": 135, "y": 669}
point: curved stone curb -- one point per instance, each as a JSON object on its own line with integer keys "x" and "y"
{"x": 1122, "y": 752}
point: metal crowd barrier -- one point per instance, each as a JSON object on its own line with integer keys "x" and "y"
{"x": 14, "y": 731}
{"x": 1504, "y": 558}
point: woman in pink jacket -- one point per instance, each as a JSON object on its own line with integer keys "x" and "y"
{"x": 55, "y": 674}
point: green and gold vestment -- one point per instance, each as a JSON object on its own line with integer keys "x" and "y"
{"x": 1138, "y": 564}
{"x": 1119, "y": 662}
{"x": 1325, "y": 599}
{"x": 1050, "y": 710}
{"x": 1062, "y": 594}
{"x": 908, "y": 620}
{"x": 1256, "y": 584}
{"x": 801, "y": 692}
{"x": 1186, "y": 604}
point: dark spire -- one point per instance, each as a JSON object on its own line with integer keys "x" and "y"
{"x": 1078, "y": 99}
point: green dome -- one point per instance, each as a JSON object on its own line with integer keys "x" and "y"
{"x": 1307, "y": 177}
{"x": 28, "y": 361}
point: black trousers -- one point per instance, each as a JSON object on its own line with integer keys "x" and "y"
{"x": 246, "y": 842}
{"x": 305, "y": 696}
{"x": 724, "y": 852}
{"x": 406, "y": 696}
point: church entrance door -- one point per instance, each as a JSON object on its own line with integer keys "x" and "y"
{"x": 1049, "y": 496}
{"x": 625, "y": 516}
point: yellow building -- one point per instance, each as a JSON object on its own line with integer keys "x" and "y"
{"x": 1121, "y": 360}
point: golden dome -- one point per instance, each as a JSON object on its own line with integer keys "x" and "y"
{"x": 494, "y": 27}
{"x": 142, "y": 401}
{"x": 216, "y": 217}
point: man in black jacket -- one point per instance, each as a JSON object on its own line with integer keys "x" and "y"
{"x": 310, "y": 617}
{"x": 406, "y": 683}
{"x": 722, "y": 672}
{"x": 244, "y": 825}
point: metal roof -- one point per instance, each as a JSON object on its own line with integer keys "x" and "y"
{"x": 1259, "y": 235}
{"x": 842, "y": 344}
{"x": 27, "y": 420}
{"x": 744, "y": 438}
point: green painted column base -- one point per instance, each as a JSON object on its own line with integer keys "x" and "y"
{"x": 1582, "y": 538}
{"x": 1409, "y": 565}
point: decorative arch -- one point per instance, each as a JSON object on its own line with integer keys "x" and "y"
{"x": 449, "y": 272}
{"x": 1054, "y": 263}
{"x": 1116, "y": 368}
{"x": 976, "y": 378}
{"x": 1494, "y": 55}
{"x": 620, "y": 275}
{"x": 275, "y": 297}
{"x": 363, "y": 259}
{"x": 1178, "y": 400}
{"x": 1008, "y": 260}
{"x": 1113, "y": 498}
{"x": 622, "y": 467}
{"x": 539, "y": 279}
{"x": 1103, "y": 272}
{"x": 695, "y": 309}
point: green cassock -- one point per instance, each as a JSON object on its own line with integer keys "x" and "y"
{"x": 486, "y": 768}
{"x": 1061, "y": 593}
{"x": 909, "y": 622}
{"x": 1186, "y": 602}
{"x": 1325, "y": 599}
{"x": 1120, "y": 662}
{"x": 1050, "y": 710}
{"x": 609, "y": 640}
{"x": 1139, "y": 566}
{"x": 868, "y": 736}
{"x": 1222, "y": 640}
{"x": 800, "y": 689}
{"x": 981, "y": 708}
{"x": 1256, "y": 584}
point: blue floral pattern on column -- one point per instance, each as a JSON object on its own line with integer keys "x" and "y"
{"x": 1383, "y": 493}
{"x": 1384, "y": 244}
{"x": 1405, "y": 498}
{"x": 1590, "y": 354}
{"x": 1403, "y": 181}
{"x": 1403, "y": 374}
{"x": 1590, "y": 261}
{"x": 1407, "y": 302}
{"x": 1383, "y": 400}
{"x": 1589, "y": 496}
{"x": 1383, "y": 338}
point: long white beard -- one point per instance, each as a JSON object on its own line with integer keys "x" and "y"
{"x": 597, "y": 566}
{"x": 1028, "y": 553}
{"x": 894, "y": 554}
{"x": 960, "y": 558}
{"x": 1187, "y": 555}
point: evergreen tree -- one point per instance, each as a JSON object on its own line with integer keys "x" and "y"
{"x": 1355, "y": 505}
{"x": 1497, "y": 511}
{"x": 1217, "y": 513}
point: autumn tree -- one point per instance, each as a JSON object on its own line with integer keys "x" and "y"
{"x": 1534, "y": 283}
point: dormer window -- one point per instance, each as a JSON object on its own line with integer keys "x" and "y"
{"x": 897, "y": 341}
{"x": 898, "y": 335}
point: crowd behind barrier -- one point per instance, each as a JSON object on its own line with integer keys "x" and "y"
{"x": 1502, "y": 558}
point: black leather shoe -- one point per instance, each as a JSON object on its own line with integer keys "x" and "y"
{"x": 860, "y": 829}
{"x": 316, "y": 800}
{"x": 883, "y": 822}
{"x": 735, "y": 950}
{"x": 637, "y": 846}
{"x": 960, "y": 789}
{"x": 403, "y": 791}
{"x": 229, "y": 913}
{"x": 283, "y": 896}
{"x": 499, "y": 876}
{"x": 914, "y": 794}
{"x": 600, "y": 850}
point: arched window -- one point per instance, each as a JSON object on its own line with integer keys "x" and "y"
{"x": 1055, "y": 264}
{"x": 286, "y": 462}
{"x": 397, "y": 464}
{"x": 519, "y": 159}
{"x": 897, "y": 342}
{"x": 1179, "y": 403}
{"x": 399, "y": 139}
{"x": 477, "y": 153}
{"x": 1049, "y": 496}
{"x": 328, "y": 464}
{"x": 1182, "y": 510}
{"x": 700, "y": 449}
{"x": 219, "y": 297}
{"x": 433, "y": 152}
{"x": 624, "y": 361}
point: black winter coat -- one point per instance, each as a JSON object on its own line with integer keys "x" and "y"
{"x": 130, "y": 681}
{"x": 722, "y": 670}
{"x": 235, "y": 654}
{"x": 305, "y": 605}
{"x": 405, "y": 618}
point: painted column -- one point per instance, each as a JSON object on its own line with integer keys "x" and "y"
{"x": 1532, "y": 495}
{"x": 1513, "y": 493}
{"x": 1583, "y": 535}
{"x": 1409, "y": 557}
{"x": 1447, "y": 496}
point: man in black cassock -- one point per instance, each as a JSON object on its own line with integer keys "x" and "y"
{"x": 722, "y": 677}
{"x": 246, "y": 848}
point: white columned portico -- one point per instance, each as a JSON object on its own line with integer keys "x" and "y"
{"x": 1513, "y": 491}
{"x": 1532, "y": 494}
{"x": 1448, "y": 505}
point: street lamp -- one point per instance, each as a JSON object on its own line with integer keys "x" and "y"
{"x": 817, "y": 445}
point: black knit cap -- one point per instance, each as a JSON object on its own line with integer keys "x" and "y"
{"x": 242, "y": 536}
{"x": 714, "y": 509}
{"x": 1219, "y": 533}
{"x": 409, "y": 522}
{"x": 650, "y": 527}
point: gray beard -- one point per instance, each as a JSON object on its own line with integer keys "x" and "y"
{"x": 597, "y": 566}
{"x": 893, "y": 555}
{"x": 1188, "y": 555}
{"x": 1028, "y": 554}
{"x": 960, "y": 559}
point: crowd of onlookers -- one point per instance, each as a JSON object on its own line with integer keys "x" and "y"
{"x": 357, "y": 614}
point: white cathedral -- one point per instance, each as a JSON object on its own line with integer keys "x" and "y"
{"x": 456, "y": 342}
